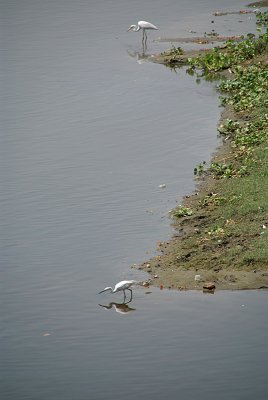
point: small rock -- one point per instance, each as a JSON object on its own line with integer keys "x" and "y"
{"x": 197, "y": 278}
{"x": 209, "y": 286}
{"x": 145, "y": 284}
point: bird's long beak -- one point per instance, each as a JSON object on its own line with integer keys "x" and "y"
{"x": 129, "y": 28}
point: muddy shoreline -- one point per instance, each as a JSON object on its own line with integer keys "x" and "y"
{"x": 180, "y": 266}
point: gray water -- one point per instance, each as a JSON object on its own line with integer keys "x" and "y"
{"x": 89, "y": 130}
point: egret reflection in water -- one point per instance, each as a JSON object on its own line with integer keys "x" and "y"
{"x": 140, "y": 56}
{"x": 121, "y": 308}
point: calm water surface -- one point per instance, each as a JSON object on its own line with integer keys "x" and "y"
{"x": 89, "y": 130}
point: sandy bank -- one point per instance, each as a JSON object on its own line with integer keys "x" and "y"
{"x": 196, "y": 253}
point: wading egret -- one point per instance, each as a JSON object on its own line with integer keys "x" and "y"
{"x": 120, "y": 286}
{"x": 142, "y": 25}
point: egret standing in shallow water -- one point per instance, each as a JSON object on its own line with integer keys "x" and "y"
{"x": 120, "y": 286}
{"x": 142, "y": 25}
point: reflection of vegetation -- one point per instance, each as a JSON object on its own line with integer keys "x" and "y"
{"x": 262, "y": 18}
{"x": 200, "y": 169}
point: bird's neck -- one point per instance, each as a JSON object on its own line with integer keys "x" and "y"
{"x": 137, "y": 28}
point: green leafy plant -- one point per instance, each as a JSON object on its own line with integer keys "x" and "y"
{"x": 226, "y": 171}
{"x": 231, "y": 54}
{"x": 228, "y": 127}
{"x": 262, "y": 18}
{"x": 248, "y": 89}
{"x": 200, "y": 169}
{"x": 172, "y": 56}
{"x": 182, "y": 212}
{"x": 215, "y": 230}
{"x": 174, "y": 51}
{"x": 212, "y": 199}
{"x": 221, "y": 170}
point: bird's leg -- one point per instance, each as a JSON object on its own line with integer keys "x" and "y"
{"x": 145, "y": 35}
{"x": 131, "y": 295}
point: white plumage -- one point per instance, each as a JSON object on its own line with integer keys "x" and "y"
{"x": 144, "y": 25}
{"x": 120, "y": 286}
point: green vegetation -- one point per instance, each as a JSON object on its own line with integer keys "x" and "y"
{"x": 248, "y": 89}
{"x": 233, "y": 53}
{"x": 228, "y": 229}
{"x": 172, "y": 57}
{"x": 174, "y": 51}
{"x": 212, "y": 199}
{"x": 262, "y": 18}
{"x": 200, "y": 169}
{"x": 181, "y": 211}
{"x": 228, "y": 222}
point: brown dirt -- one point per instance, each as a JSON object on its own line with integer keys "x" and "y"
{"x": 175, "y": 266}
{"x": 262, "y": 3}
{"x": 181, "y": 259}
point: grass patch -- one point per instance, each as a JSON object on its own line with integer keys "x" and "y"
{"x": 231, "y": 54}
{"x": 222, "y": 231}
{"x": 227, "y": 226}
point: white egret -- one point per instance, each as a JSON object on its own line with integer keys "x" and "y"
{"x": 120, "y": 286}
{"x": 144, "y": 25}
